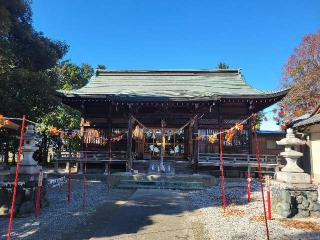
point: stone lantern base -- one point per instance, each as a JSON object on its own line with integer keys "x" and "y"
{"x": 294, "y": 200}
{"x": 26, "y": 169}
{"x": 292, "y": 177}
{"x": 26, "y": 194}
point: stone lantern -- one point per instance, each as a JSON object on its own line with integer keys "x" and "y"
{"x": 292, "y": 194}
{"x": 28, "y": 181}
{"x": 28, "y": 165}
{"x": 292, "y": 173}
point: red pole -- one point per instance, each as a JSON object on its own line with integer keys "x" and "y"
{"x": 223, "y": 196}
{"x": 269, "y": 197}
{"x": 16, "y": 178}
{"x": 69, "y": 183}
{"x": 248, "y": 187}
{"x": 36, "y": 214}
{"x": 260, "y": 177}
{"x": 85, "y": 174}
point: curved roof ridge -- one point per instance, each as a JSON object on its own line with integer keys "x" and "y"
{"x": 170, "y": 84}
{"x": 167, "y": 70}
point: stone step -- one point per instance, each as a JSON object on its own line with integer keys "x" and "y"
{"x": 154, "y": 182}
{"x": 123, "y": 186}
{"x": 161, "y": 184}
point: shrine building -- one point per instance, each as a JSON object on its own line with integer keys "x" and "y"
{"x": 134, "y": 116}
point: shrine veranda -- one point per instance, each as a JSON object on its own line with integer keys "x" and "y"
{"x": 128, "y": 115}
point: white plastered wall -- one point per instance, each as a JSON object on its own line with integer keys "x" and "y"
{"x": 315, "y": 151}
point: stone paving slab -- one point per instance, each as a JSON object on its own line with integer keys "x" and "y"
{"x": 149, "y": 214}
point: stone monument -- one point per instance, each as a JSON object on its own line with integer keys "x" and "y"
{"x": 29, "y": 172}
{"x": 292, "y": 193}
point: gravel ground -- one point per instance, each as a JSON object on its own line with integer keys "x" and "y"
{"x": 61, "y": 215}
{"x": 243, "y": 220}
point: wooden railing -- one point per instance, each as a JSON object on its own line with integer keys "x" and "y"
{"x": 92, "y": 156}
{"x": 205, "y": 159}
{"x": 214, "y": 158}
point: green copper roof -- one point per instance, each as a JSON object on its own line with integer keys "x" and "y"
{"x": 168, "y": 84}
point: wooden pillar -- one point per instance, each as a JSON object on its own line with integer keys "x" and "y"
{"x": 221, "y": 125}
{"x": 190, "y": 141}
{"x": 67, "y": 167}
{"x": 143, "y": 144}
{"x": 153, "y": 143}
{"x": 250, "y": 123}
{"x": 163, "y": 145}
{"x": 56, "y": 166}
{"x": 106, "y": 168}
{"x": 174, "y": 146}
{"x": 129, "y": 144}
{"x": 195, "y": 146}
{"x": 220, "y": 117}
{"x": 250, "y": 137}
{"x": 186, "y": 142}
{"x": 109, "y": 130}
{"x": 80, "y": 166}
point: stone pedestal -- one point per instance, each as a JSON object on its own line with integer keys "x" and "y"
{"x": 27, "y": 169}
{"x": 294, "y": 200}
{"x": 26, "y": 194}
{"x": 288, "y": 177}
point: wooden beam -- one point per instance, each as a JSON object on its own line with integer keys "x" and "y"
{"x": 195, "y": 146}
{"x": 186, "y": 141}
{"x": 250, "y": 137}
{"x": 250, "y": 126}
{"x": 129, "y": 143}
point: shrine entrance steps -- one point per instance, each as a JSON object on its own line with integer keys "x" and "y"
{"x": 132, "y": 184}
{"x": 158, "y": 181}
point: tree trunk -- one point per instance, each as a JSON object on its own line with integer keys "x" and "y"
{"x": 14, "y": 158}
{"x": 44, "y": 150}
{"x": 6, "y": 156}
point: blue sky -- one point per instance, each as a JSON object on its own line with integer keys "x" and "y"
{"x": 256, "y": 36}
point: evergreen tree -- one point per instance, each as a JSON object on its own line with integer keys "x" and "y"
{"x": 222, "y": 65}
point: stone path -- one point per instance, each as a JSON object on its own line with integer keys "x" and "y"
{"x": 148, "y": 214}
